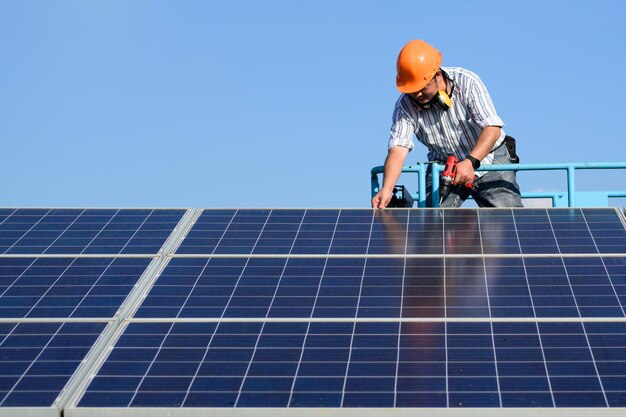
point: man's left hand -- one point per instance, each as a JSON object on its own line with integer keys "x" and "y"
{"x": 464, "y": 172}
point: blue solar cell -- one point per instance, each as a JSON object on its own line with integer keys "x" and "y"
{"x": 88, "y": 231}
{"x": 37, "y": 359}
{"x": 372, "y": 364}
{"x": 66, "y": 287}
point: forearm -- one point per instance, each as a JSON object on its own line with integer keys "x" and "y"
{"x": 486, "y": 140}
{"x": 393, "y": 166}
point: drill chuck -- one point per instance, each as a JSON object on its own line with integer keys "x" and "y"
{"x": 445, "y": 186}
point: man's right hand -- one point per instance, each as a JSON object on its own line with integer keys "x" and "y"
{"x": 382, "y": 198}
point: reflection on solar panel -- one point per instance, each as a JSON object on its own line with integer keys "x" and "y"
{"x": 388, "y": 288}
{"x": 66, "y": 287}
{"x": 38, "y": 359}
{"x": 461, "y": 231}
{"x": 85, "y": 231}
{"x": 264, "y": 312}
{"x": 364, "y": 364}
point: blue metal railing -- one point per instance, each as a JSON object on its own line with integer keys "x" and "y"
{"x": 595, "y": 198}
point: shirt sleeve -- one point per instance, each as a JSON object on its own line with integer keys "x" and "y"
{"x": 402, "y": 128}
{"x": 480, "y": 105}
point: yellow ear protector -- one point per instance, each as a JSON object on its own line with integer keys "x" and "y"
{"x": 441, "y": 99}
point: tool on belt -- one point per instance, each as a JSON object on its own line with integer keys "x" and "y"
{"x": 509, "y": 142}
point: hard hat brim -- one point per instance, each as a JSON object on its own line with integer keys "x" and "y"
{"x": 408, "y": 88}
{"x": 415, "y": 86}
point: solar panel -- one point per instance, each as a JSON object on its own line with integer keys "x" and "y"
{"x": 388, "y": 288}
{"x": 86, "y": 231}
{"x": 66, "y": 287}
{"x": 364, "y": 364}
{"x": 434, "y": 231}
{"x": 38, "y": 359}
{"x": 282, "y": 310}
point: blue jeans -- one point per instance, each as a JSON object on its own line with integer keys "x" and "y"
{"x": 494, "y": 189}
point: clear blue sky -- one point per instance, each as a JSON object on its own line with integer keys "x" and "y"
{"x": 282, "y": 103}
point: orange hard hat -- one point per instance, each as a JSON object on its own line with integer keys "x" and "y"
{"x": 418, "y": 62}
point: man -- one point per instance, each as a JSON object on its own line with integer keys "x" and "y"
{"x": 450, "y": 111}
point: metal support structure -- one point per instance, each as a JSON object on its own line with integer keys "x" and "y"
{"x": 597, "y": 197}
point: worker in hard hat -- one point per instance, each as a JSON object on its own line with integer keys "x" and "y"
{"x": 450, "y": 111}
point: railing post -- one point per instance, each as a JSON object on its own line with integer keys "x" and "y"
{"x": 570, "y": 185}
{"x": 374, "y": 184}
{"x": 422, "y": 185}
{"x": 435, "y": 170}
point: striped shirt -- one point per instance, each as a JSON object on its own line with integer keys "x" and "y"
{"x": 451, "y": 132}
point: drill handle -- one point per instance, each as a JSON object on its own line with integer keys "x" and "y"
{"x": 450, "y": 168}
{"x": 450, "y": 171}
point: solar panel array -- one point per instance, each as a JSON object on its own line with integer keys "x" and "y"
{"x": 259, "y": 310}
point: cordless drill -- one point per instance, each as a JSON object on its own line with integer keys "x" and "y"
{"x": 447, "y": 176}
